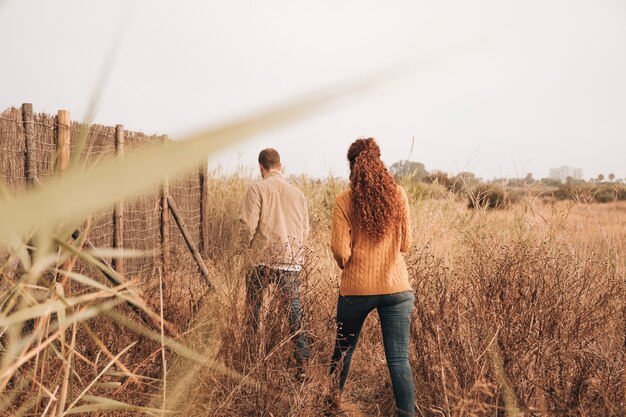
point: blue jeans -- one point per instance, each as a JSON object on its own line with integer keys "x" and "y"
{"x": 394, "y": 311}
{"x": 258, "y": 278}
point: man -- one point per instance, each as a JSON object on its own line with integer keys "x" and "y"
{"x": 275, "y": 225}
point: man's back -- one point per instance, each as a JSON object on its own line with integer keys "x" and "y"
{"x": 275, "y": 221}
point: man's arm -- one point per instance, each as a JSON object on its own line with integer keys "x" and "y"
{"x": 250, "y": 215}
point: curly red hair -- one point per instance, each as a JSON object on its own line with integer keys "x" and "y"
{"x": 376, "y": 199}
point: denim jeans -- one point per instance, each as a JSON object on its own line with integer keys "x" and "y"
{"x": 258, "y": 278}
{"x": 394, "y": 311}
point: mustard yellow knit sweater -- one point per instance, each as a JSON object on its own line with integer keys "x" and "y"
{"x": 368, "y": 267}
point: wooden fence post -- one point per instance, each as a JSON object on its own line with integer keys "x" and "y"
{"x": 118, "y": 211}
{"x": 189, "y": 241}
{"x": 63, "y": 140}
{"x": 30, "y": 154}
{"x": 62, "y": 144}
{"x": 165, "y": 225}
{"x": 204, "y": 200}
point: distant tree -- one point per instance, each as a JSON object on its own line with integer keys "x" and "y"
{"x": 611, "y": 177}
{"x": 440, "y": 178}
{"x": 412, "y": 169}
{"x": 466, "y": 176}
{"x": 513, "y": 182}
{"x": 600, "y": 178}
{"x": 463, "y": 181}
{"x": 551, "y": 182}
{"x": 573, "y": 181}
{"x": 529, "y": 179}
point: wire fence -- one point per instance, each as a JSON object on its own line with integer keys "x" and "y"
{"x": 142, "y": 226}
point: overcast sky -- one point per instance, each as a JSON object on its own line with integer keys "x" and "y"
{"x": 504, "y": 87}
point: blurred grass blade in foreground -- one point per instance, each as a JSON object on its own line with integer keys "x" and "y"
{"x": 72, "y": 197}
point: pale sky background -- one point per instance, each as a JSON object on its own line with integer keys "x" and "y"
{"x": 517, "y": 86}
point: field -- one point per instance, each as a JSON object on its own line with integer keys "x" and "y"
{"x": 521, "y": 309}
{"x": 122, "y": 270}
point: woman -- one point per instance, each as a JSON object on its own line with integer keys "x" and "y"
{"x": 371, "y": 227}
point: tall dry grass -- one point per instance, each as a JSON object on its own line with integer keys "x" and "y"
{"x": 51, "y": 360}
{"x": 520, "y": 309}
{"x": 517, "y": 311}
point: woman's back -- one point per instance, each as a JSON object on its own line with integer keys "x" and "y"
{"x": 371, "y": 228}
{"x": 370, "y": 265}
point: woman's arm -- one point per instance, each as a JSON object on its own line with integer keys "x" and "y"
{"x": 341, "y": 235}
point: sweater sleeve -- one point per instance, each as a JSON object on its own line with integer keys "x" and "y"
{"x": 250, "y": 215}
{"x": 407, "y": 232}
{"x": 341, "y": 235}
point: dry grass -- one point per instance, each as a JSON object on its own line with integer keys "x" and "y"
{"x": 525, "y": 305}
{"x": 530, "y": 299}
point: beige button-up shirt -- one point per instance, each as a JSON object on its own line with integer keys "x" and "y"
{"x": 275, "y": 222}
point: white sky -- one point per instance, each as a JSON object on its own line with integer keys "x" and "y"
{"x": 523, "y": 86}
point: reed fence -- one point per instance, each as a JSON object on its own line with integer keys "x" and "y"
{"x": 36, "y": 146}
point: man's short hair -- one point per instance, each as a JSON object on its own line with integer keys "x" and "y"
{"x": 269, "y": 158}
